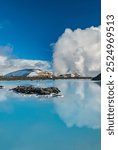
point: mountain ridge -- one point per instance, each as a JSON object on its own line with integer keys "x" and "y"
{"x": 27, "y": 73}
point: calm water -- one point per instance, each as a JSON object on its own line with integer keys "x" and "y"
{"x": 71, "y": 122}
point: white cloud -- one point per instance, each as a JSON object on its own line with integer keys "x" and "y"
{"x": 78, "y": 50}
{"x": 9, "y": 64}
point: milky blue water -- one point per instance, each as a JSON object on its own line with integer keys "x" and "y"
{"x": 69, "y": 122}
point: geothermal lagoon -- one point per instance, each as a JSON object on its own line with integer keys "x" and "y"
{"x": 70, "y": 121}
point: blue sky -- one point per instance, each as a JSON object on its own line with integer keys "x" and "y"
{"x": 30, "y": 26}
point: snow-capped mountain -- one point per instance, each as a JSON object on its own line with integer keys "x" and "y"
{"x": 28, "y": 73}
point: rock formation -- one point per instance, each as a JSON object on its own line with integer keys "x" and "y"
{"x": 36, "y": 90}
{"x": 97, "y": 78}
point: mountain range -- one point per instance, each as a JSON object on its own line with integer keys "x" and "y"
{"x": 46, "y": 74}
{"x": 28, "y": 73}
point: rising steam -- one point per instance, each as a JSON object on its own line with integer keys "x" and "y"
{"x": 78, "y": 51}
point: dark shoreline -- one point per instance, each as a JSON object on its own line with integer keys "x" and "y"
{"x": 39, "y": 78}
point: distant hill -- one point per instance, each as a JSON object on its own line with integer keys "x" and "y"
{"x": 97, "y": 78}
{"x": 28, "y": 73}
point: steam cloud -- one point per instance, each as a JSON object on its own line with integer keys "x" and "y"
{"x": 78, "y": 51}
{"x": 75, "y": 51}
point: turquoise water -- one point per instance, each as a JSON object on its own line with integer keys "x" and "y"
{"x": 69, "y": 122}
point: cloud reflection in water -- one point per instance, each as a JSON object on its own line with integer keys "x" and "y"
{"x": 80, "y": 105}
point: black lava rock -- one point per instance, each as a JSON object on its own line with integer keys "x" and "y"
{"x": 97, "y": 78}
{"x": 36, "y": 90}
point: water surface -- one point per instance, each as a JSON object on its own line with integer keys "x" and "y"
{"x": 71, "y": 122}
